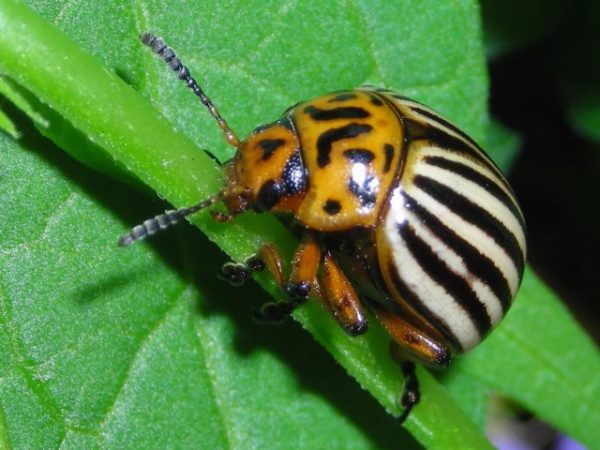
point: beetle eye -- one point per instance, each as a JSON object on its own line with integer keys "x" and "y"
{"x": 268, "y": 196}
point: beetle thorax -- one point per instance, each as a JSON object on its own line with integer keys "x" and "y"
{"x": 267, "y": 172}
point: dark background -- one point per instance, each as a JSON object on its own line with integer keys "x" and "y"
{"x": 544, "y": 68}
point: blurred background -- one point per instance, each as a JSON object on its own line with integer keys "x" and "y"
{"x": 544, "y": 86}
{"x": 544, "y": 67}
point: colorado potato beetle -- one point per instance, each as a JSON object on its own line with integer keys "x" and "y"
{"x": 400, "y": 213}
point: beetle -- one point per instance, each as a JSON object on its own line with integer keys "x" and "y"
{"x": 399, "y": 213}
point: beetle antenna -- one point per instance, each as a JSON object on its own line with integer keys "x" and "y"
{"x": 162, "y": 221}
{"x": 167, "y": 54}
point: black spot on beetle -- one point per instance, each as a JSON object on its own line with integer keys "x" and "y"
{"x": 359, "y": 155}
{"x": 375, "y": 100}
{"x": 294, "y": 176}
{"x": 332, "y": 207}
{"x": 269, "y": 146}
{"x": 366, "y": 192}
{"x": 389, "y": 156}
{"x": 268, "y": 196}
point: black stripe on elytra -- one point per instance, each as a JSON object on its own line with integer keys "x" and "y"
{"x": 359, "y": 155}
{"x": 414, "y": 301}
{"x": 444, "y": 123}
{"x": 388, "y": 149}
{"x": 455, "y": 285}
{"x": 480, "y": 179}
{"x": 476, "y": 262}
{"x": 327, "y": 138}
{"x": 345, "y": 96}
{"x": 269, "y": 146}
{"x": 475, "y": 215}
{"x": 451, "y": 143}
{"x": 343, "y": 112}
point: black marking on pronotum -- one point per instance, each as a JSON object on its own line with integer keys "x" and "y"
{"x": 475, "y": 215}
{"x": 480, "y": 179}
{"x": 359, "y": 155}
{"x": 365, "y": 192}
{"x": 475, "y": 261}
{"x": 342, "y": 97}
{"x": 294, "y": 175}
{"x": 411, "y": 298}
{"x": 327, "y": 138}
{"x": 343, "y": 112}
{"x": 269, "y": 195}
{"x": 388, "y": 150}
{"x": 332, "y": 207}
{"x": 269, "y": 146}
{"x": 455, "y": 285}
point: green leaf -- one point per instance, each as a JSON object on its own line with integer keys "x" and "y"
{"x": 145, "y": 348}
{"x": 140, "y": 348}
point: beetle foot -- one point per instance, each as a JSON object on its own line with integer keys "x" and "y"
{"x": 236, "y": 274}
{"x": 275, "y": 313}
{"x": 410, "y": 394}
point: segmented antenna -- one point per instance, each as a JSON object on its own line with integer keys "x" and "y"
{"x": 167, "y": 54}
{"x": 160, "y": 222}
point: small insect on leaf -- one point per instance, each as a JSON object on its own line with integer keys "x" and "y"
{"x": 412, "y": 220}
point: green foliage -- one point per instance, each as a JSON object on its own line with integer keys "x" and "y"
{"x": 142, "y": 348}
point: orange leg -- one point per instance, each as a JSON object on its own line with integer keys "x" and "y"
{"x": 271, "y": 258}
{"x": 412, "y": 343}
{"x": 422, "y": 345}
{"x": 341, "y": 298}
{"x": 304, "y": 270}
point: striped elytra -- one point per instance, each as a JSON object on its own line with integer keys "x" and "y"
{"x": 400, "y": 214}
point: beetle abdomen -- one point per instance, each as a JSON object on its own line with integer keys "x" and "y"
{"x": 451, "y": 244}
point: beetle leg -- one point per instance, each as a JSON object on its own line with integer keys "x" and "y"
{"x": 237, "y": 274}
{"x": 341, "y": 298}
{"x": 421, "y": 344}
{"x": 410, "y": 393}
{"x": 304, "y": 270}
{"x": 271, "y": 258}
